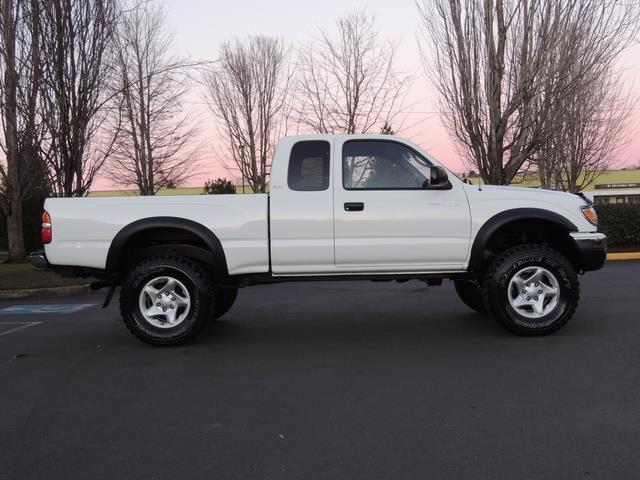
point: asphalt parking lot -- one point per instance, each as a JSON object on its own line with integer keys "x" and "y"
{"x": 325, "y": 380}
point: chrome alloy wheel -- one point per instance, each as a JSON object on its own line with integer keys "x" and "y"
{"x": 164, "y": 302}
{"x": 533, "y": 292}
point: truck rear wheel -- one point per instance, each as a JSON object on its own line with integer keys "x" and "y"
{"x": 531, "y": 289}
{"x": 224, "y": 300}
{"x": 166, "y": 300}
{"x": 470, "y": 293}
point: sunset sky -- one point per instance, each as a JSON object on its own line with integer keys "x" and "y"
{"x": 201, "y": 25}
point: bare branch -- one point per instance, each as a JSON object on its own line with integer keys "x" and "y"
{"x": 501, "y": 68}
{"x": 156, "y": 142}
{"x": 349, "y": 83}
{"x": 76, "y": 43}
{"x": 248, "y": 94}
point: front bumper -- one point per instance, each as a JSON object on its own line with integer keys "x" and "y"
{"x": 39, "y": 259}
{"x": 592, "y": 249}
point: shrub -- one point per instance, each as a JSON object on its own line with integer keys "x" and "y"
{"x": 218, "y": 186}
{"x": 621, "y": 223}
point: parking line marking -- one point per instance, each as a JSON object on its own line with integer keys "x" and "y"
{"x": 46, "y": 308}
{"x": 22, "y": 326}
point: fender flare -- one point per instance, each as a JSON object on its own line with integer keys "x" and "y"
{"x": 500, "y": 219}
{"x": 129, "y": 231}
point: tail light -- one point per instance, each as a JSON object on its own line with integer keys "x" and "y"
{"x": 47, "y": 233}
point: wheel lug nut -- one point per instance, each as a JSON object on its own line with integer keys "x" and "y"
{"x": 535, "y": 298}
{"x": 173, "y": 299}
{"x": 528, "y": 284}
{"x": 158, "y": 304}
{"x": 524, "y": 292}
{"x": 172, "y": 307}
{"x": 528, "y": 298}
{"x": 164, "y": 309}
{"x": 537, "y": 284}
{"x": 540, "y": 291}
{"x": 159, "y": 295}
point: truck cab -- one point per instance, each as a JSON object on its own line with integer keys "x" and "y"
{"x": 368, "y": 204}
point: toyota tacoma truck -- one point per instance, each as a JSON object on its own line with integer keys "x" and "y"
{"x": 340, "y": 207}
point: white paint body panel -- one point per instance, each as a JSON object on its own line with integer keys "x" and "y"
{"x": 83, "y": 228}
{"x": 301, "y": 222}
{"x": 406, "y": 230}
{"x": 488, "y": 201}
{"x": 311, "y": 233}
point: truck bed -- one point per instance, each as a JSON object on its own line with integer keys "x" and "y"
{"x": 85, "y": 227}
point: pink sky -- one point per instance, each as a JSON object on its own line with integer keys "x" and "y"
{"x": 201, "y": 25}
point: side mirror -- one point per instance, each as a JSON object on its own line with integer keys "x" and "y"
{"x": 439, "y": 180}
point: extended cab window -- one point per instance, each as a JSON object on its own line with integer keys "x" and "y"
{"x": 309, "y": 166}
{"x": 382, "y": 165}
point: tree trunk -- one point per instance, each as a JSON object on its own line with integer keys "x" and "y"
{"x": 15, "y": 235}
{"x": 14, "y": 186}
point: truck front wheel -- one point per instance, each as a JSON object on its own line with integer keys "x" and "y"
{"x": 531, "y": 289}
{"x": 166, "y": 300}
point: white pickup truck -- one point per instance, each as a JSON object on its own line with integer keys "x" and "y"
{"x": 340, "y": 207}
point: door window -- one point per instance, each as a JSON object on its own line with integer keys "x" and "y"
{"x": 382, "y": 165}
{"x": 309, "y": 166}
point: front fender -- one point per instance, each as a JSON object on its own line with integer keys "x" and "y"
{"x": 507, "y": 216}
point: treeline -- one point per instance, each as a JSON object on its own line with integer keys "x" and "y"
{"x": 94, "y": 88}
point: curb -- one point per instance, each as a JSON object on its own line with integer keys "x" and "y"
{"x": 624, "y": 256}
{"x": 44, "y": 292}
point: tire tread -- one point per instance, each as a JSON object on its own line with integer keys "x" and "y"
{"x": 497, "y": 264}
{"x": 201, "y": 278}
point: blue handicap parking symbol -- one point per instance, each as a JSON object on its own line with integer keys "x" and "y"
{"x": 42, "y": 309}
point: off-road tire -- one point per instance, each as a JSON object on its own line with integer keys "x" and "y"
{"x": 510, "y": 262}
{"x": 223, "y": 301}
{"x": 194, "y": 278}
{"x": 470, "y": 293}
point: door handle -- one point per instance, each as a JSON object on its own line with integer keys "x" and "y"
{"x": 354, "y": 206}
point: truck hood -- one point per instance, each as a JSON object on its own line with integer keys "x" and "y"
{"x": 497, "y": 198}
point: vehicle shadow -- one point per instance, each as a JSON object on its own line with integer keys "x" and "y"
{"x": 330, "y": 330}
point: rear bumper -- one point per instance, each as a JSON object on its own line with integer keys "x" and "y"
{"x": 592, "y": 250}
{"x": 39, "y": 259}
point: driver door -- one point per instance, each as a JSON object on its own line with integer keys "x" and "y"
{"x": 384, "y": 217}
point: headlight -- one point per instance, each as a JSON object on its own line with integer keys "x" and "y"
{"x": 590, "y": 214}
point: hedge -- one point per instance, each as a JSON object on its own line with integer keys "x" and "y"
{"x": 621, "y": 223}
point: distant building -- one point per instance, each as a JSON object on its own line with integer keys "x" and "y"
{"x": 615, "y": 186}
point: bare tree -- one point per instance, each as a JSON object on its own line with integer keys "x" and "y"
{"x": 590, "y": 118}
{"x": 591, "y": 123}
{"x": 500, "y": 66}
{"x": 247, "y": 93}
{"x": 77, "y": 36}
{"x": 349, "y": 83}
{"x": 157, "y": 143}
{"x": 20, "y": 77}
